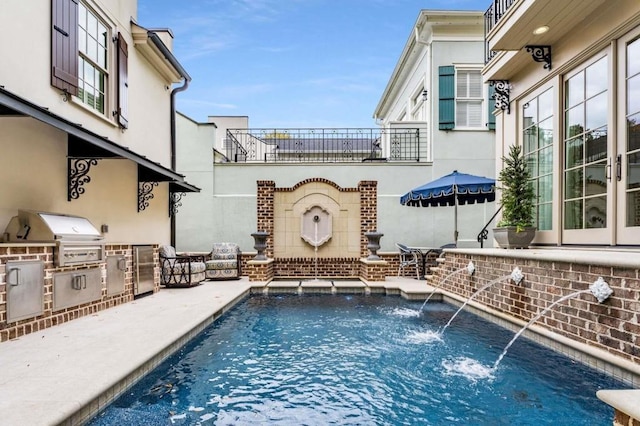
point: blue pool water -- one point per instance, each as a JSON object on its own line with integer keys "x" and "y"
{"x": 359, "y": 360}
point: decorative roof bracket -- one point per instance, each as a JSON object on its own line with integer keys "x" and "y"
{"x": 175, "y": 202}
{"x": 501, "y": 94}
{"x": 541, "y": 54}
{"x": 145, "y": 194}
{"x": 78, "y": 175}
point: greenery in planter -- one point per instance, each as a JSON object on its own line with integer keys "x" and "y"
{"x": 517, "y": 191}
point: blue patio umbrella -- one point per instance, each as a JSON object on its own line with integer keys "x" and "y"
{"x": 451, "y": 190}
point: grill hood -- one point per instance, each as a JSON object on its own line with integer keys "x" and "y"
{"x": 47, "y": 227}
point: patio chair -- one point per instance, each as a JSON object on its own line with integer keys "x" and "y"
{"x": 223, "y": 262}
{"x": 180, "y": 270}
{"x": 409, "y": 258}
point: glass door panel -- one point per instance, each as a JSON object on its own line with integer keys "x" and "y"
{"x": 586, "y": 146}
{"x": 627, "y": 170}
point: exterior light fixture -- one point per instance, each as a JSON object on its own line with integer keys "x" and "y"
{"x": 424, "y": 94}
{"x": 541, "y": 30}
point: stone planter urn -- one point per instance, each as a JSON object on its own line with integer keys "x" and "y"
{"x": 373, "y": 244}
{"x": 260, "y": 244}
{"x": 508, "y": 237}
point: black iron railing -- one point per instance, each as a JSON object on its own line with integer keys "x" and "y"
{"x": 484, "y": 233}
{"x": 325, "y": 145}
{"x": 491, "y": 18}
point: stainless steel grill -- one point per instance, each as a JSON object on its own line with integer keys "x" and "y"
{"x": 77, "y": 240}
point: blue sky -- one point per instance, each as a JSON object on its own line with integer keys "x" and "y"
{"x": 289, "y": 63}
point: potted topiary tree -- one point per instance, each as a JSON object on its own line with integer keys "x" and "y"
{"x": 516, "y": 229}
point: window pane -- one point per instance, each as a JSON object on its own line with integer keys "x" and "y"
{"x": 573, "y": 214}
{"x": 545, "y": 192}
{"x": 545, "y": 132}
{"x": 545, "y": 160}
{"x": 597, "y": 77}
{"x": 596, "y": 182}
{"x": 573, "y": 183}
{"x": 596, "y": 212}
{"x": 462, "y": 87}
{"x": 82, "y": 16}
{"x": 92, "y": 25}
{"x": 573, "y": 152}
{"x": 596, "y": 146}
{"x": 633, "y": 133}
{"x": 102, "y": 35}
{"x": 633, "y": 58}
{"x": 544, "y": 217}
{"x": 633, "y": 95}
{"x": 532, "y": 163}
{"x": 475, "y": 84}
{"x": 545, "y": 108}
{"x": 530, "y": 111}
{"x": 82, "y": 41}
{"x": 574, "y": 121}
{"x": 597, "y": 109}
{"x": 530, "y": 139}
{"x": 575, "y": 90}
{"x": 633, "y": 208}
{"x": 461, "y": 113}
{"x": 92, "y": 49}
{"x": 633, "y": 170}
{"x": 475, "y": 114}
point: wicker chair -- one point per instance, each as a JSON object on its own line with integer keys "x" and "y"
{"x": 223, "y": 262}
{"x": 180, "y": 270}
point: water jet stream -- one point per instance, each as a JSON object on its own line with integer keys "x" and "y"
{"x": 534, "y": 319}
{"x": 600, "y": 290}
{"x": 486, "y": 286}
{"x": 470, "y": 268}
{"x": 457, "y": 271}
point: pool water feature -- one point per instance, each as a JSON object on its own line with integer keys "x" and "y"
{"x": 345, "y": 359}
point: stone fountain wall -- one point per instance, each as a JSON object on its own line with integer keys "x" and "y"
{"x": 353, "y": 213}
{"x": 611, "y": 327}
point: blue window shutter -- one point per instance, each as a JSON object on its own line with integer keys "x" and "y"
{"x": 447, "y": 100}
{"x": 492, "y": 106}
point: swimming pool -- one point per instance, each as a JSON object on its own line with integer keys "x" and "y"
{"x": 360, "y": 360}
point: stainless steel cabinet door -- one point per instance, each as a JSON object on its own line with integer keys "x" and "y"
{"x": 25, "y": 289}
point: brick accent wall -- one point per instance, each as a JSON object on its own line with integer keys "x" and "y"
{"x": 326, "y": 267}
{"x": 50, "y": 317}
{"x": 265, "y": 195}
{"x": 611, "y": 326}
{"x": 368, "y": 212}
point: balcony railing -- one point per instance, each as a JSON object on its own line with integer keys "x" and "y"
{"x": 491, "y": 18}
{"x": 325, "y": 145}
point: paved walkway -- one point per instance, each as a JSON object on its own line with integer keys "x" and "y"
{"x": 61, "y": 374}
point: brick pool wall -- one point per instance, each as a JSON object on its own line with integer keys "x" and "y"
{"x": 611, "y": 326}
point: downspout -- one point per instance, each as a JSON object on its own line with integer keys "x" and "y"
{"x": 182, "y": 88}
{"x": 155, "y": 39}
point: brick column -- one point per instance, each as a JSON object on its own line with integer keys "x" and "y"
{"x": 368, "y": 212}
{"x": 265, "y": 211}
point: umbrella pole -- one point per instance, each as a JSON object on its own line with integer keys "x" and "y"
{"x": 455, "y": 217}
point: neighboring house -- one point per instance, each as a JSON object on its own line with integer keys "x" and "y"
{"x": 568, "y": 81}
{"x": 399, "y": 156}
{"x": 437, "y": 84}
{"x": 86, "y": 105}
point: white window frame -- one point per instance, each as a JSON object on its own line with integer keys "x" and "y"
{"x": 107, "y": 71}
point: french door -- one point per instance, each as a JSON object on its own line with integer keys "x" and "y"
{"x": 626, "y": 172}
